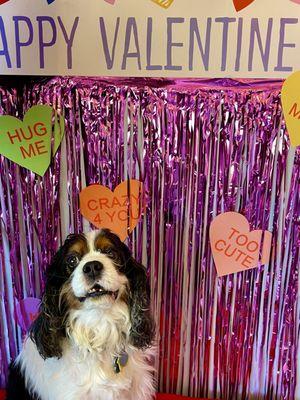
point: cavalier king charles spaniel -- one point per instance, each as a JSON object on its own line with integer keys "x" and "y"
{"x": 92, "y": 339}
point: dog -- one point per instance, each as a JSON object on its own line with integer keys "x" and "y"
{"x": 93, "y": 337}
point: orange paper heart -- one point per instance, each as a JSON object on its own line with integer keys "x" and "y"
{"x": 118, "y": 211}
{"x": 234, "y": 247}
{"x": 241, "y": 4}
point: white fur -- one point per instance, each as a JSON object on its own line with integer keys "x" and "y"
{"x": 96, "y": 333}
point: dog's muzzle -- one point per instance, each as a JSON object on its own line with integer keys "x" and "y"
{"x": 93, "y": 270}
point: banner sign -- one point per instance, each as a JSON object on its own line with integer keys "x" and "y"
{"x": 158, "y": 38}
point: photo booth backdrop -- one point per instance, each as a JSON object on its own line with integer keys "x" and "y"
{"x": 200, "y": 148}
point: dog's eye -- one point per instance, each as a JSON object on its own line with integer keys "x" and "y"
{"x": 107, "y": 251}
{"x": 73, "y": 261}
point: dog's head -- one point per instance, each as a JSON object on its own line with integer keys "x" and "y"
{"x": 92, "y": 271}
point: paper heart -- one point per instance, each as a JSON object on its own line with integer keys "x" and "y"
{"x": 241, "y": 4}
{"x": 112, "y": 2}
{"x": 164, "y": 3}
{"x": 290, "y": 98}
{"x": 3, "y": 1}
{"x": 26, "y": 312}
{"x": 29, "y": 142}
{"x": 234, "y": 247}
{"x": 296, "y": 1}
{"x": 118, "y": 211}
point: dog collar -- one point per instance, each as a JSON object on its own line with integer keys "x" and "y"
{"x": 120, "y": 362}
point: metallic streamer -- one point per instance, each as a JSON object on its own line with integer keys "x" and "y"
{"x": 201, "y": 148}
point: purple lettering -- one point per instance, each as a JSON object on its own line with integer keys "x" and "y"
{"x": 171, "y": 44}
{"x": 69, "y": 39}
{"x": 282, "y": 45}
{"x": 150, "y": 67}
{"x": 194, "y": 31}
{"x": 4, "y": 52}
{"x": 225, "y": 21}
{"x": 42, "y": 42}
{"x": 19, "y": 43}
{"x": 264, "y": 50}
{"x": 109, "y": 56}
{"x": 131, "y": 29}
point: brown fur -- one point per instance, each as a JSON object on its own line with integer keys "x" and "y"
{"x": 80, "y": 247}
{"x": 102, "y": 242}
{"x": 67, "y": 298}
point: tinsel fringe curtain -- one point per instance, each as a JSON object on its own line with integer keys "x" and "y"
{"x": 201, "y": 148}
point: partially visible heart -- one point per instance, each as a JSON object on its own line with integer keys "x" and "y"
{"x": 118, "y": 211}
{"x": 296, "y": 1}
{"x": 290, "y": 99}
{"x": 164, "y": 3}
{"x": 3, "y": 1}
{"x": 27, "y": 311}
{"x": 241, "y": 4}
{"x": 112, "y": 2}
{"x": 31, "y": 142}
{"x": 234, "y": 247}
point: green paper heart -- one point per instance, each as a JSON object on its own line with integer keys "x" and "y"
{"x": 29, "y": 142}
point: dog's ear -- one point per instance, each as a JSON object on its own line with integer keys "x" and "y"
{"x": 142, "y": 324}
{"x": 48, "y": 330}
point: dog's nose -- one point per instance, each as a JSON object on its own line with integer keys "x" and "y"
{"x": 93, "y": 269}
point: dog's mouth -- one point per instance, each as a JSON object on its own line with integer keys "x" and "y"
{"x": 99, "y": 291}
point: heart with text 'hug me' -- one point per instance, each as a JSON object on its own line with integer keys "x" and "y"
{"x": 234, "y": 247}
{"x": 32, "y": 142}
{"x": 119, "y": 211}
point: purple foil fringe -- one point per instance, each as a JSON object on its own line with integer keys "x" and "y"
{"x": 200, "y": 148}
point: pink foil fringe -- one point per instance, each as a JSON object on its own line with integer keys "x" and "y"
{"x": 201, "y": 148}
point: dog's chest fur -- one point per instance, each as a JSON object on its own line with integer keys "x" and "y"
{"x": 86, "y": 370}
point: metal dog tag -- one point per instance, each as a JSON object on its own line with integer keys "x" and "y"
{"x": 120, "y": 362}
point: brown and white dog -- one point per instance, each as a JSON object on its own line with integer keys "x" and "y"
{"x": 93, "y": 337}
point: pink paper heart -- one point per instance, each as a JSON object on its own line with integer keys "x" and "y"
{"x": 295, "y": 1}
{"x": 112, "y": 2}
{"x": 234, "y": 247}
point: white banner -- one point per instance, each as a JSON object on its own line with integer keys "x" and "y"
{"x": 159, "y": 38}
